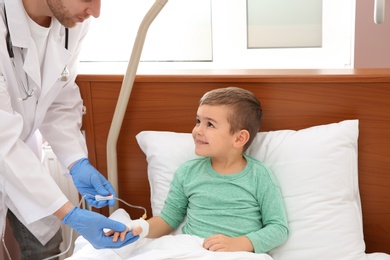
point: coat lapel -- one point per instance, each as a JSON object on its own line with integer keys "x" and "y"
{"x": 21, "y": 38}
{"x": 56, "y": 58}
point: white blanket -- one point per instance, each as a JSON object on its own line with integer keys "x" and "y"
{"x": 170, "y": 247}
{"x": 178, "y": 246}
{"x": 167, "y": 247}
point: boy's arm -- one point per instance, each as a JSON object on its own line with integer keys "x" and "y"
{"x": 274, "y": 217}
{"x": 158, "y": 227}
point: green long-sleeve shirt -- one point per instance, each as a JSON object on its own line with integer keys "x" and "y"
{"x": 247, "y": 203}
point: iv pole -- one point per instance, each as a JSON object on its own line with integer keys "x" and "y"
{"x": 124, "y": 95}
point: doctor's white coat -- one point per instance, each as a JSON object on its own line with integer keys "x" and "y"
{"x": 26, "y": 187}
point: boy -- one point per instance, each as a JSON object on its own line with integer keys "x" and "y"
{"x": 228, "y": 198}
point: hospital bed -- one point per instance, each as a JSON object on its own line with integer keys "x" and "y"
{"x": 325, "y": 134}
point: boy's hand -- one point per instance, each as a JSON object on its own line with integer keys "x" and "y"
{"x": 222, "y": 243}
{"x": 122, "y": 235}
{"x": 138, "y": 227}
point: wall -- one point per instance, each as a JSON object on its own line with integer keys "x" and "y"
{"x": 372, "y": 41}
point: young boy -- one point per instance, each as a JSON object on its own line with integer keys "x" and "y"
{"x": 228, "y": 198}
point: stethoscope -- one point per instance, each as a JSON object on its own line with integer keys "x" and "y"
{"x": 29, "y": 93}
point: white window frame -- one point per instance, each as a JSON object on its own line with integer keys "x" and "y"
{"x": 229, "y": 43}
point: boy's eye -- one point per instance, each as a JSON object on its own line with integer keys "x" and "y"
{"x": 209, "y": 124}
{"x": 197, "y": 121}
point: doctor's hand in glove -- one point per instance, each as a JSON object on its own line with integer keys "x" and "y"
{"x": 90, "y": 225}
{"x": 90, "y": 182}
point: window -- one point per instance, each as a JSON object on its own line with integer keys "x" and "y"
{"x": 213, "y": 34}
{"x": 284, "y": 24}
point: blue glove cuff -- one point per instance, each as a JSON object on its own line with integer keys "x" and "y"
{"x": 68, "y": 216}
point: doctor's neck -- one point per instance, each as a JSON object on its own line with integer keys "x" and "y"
{"x": 38, "y": 11}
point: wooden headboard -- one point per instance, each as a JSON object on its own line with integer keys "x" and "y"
{"x": 291, "y": 99}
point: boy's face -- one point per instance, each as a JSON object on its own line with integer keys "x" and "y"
{"x": 211, "y": 133}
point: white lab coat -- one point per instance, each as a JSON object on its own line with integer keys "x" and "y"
{"x": 26, "y": 187}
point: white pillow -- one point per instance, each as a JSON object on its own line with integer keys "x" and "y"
{"x": 317, "y": 170}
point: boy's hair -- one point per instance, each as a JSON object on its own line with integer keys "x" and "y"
{"x": 245, "y": 109}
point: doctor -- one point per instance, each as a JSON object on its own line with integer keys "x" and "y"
{"x": 38, "y": 96}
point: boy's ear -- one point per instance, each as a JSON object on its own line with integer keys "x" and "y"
{"x": 242, "y": 138}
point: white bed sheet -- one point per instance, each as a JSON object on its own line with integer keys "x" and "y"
{"x": 378, "y": 256}
{"x": 178, "y": 246}
{"x": 171, "y": 247}
{"x": 167, "y": 247}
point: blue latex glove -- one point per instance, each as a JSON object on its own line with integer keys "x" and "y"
{"x": 90, "y": 225}
{"x": 90, "y": 181}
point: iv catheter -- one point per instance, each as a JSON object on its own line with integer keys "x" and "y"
{"x": 124, "y": 95}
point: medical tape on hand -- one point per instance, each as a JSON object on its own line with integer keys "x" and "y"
{"x": 139, "y": 223}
